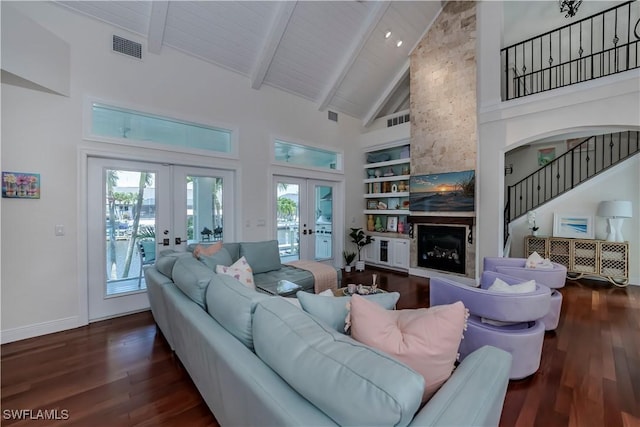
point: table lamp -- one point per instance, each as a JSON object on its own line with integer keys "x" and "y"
{"x": 616, "y": 211}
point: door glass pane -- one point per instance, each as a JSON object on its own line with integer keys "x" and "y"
{"x": 204, "y": 209}
{"x": 288, "y": 221}
{"x": 129, "y": 228}
{"x": 323, "y": 198}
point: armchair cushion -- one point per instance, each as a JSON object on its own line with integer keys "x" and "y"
{"x": 500, "y": 285}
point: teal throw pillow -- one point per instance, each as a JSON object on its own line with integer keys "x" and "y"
{"x": 333, "y": 310}
{"x": 222, "y": 257}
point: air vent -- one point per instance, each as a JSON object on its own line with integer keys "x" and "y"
{"x": 333, "y": 116}
{"x": 397, "y": 120}
{"x": 127, "y": 47}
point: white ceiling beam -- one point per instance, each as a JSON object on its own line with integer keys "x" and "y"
{"x": 272, "y": 41}
{"x": 376, "y": 14}
{"x": 157, "y": 23}
{"x": 391, "y": 88}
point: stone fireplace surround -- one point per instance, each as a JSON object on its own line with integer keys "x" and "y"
{"x": 466, "y": 222}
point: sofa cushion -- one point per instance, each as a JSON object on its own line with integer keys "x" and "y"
{"x": 239, "y": 270}
{"x": 232, "y": 304}
{"x": 234, "y": 250}
{"x": 427, "y": 339}
{"x": 333, "y": 310}
{"x": 165, "y": 262}
{"x": 350, "y": 382}
{"x": 192, "y": 278}
{"x": 222, "y": 257}
{"x": 261, "y": 256}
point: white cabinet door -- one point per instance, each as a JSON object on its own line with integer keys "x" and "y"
{"x": 370, "y": 252}
{"x": 400, "y": 253}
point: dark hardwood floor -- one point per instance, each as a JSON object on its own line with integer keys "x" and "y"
{"x": 121, "y": 372}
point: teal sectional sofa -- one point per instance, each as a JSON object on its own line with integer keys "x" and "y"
{"x": 258, "y": 360}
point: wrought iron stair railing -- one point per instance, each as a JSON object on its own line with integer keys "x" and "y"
{"x": 597, "y": 46}
{"x": 584, "y": 161}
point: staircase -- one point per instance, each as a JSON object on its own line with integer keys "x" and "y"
{"x": 584, "y": 161}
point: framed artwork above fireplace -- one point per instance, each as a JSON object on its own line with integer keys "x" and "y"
{"x": 443, "y": 192}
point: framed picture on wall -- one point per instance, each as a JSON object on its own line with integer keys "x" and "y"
{"x": 573, "y": 225}
{"x": 546, "y": 155}
{"x": 392, "y": 224}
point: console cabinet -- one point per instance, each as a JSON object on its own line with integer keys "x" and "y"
{"x": 584, "y": 257}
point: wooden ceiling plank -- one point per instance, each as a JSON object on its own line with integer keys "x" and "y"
{"x": 278, "y": 27}
{"x": 367, "y": 28}
{"x": 388, "y": 92}
{"x": 157, "y": 24}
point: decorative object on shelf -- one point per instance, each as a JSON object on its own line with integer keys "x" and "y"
{"x": 615, "y": 211}
{"x": 377, "y": 187}
{"x": 371, "y": 173}
{"x": 402, "y": 186}
{"x": 389, "y": 172}
{"x": 19, "y": 185}
{"x": 405, "y": 152}
{"x": 378, "y": 226}
{"x": 401, "y": 227}
{"x": 569, "y": 6}
{"x": 378, "y": 157}
{"x": 443, "y": 192}
{"x": 393, "y": 203}
{"x": 386, "y": 187}
{"x": 531, "y": 220}
{"x": 382, "y": 205}
{"x": 405, "y": 204}
{"x": 361, "y": 240}
{"x": 392, "y": 224}
{"x": 371, "y": 225}
{"x": 348, "y": 259}
{"x": 571, "y": 225}
{"x": 372, "y": 204}
{"x": 394, "y": 188}
{"x": 377, "y": 173}
{"x": 405, "y": 170}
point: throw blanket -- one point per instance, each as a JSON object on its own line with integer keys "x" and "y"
{"x": 324, "y": 276}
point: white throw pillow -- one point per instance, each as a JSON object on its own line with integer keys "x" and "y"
{"x": 533, "y": 260}
{"x": 500, "y": 285}
{"x": 239, "y": 270}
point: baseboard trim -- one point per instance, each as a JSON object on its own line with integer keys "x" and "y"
{"x": 37, "y": 329}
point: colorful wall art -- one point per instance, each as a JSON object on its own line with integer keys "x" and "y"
{"x": 443, "y": 192}
{"x": 20, "y": 185}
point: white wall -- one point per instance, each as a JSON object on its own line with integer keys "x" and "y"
{"x": 42, "y": 275}
{"x": 605, "y": 102}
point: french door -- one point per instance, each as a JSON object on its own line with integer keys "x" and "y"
{"x": 136, "y": 210}
{"x": 305, "y": 218}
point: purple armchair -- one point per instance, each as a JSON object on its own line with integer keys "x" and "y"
{"x": 510, "y": 321}
{"x": 553, "y": 278}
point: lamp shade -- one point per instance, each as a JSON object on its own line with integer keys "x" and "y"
{"x": 615, "y": 209}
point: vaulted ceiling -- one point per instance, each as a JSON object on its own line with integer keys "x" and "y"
{"x": 333, "y": 53}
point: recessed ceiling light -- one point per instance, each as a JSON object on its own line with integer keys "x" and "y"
{"x": 387, "y": 34}
{"x": 399, "y": 43}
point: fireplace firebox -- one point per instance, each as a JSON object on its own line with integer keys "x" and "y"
{"x": 442, "y": 248}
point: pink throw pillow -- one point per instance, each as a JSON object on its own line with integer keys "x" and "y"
{"x": 425, "y": 339}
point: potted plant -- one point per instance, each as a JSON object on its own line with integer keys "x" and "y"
{"x": 348, "y": 259}
{"x": 361, "y": 240}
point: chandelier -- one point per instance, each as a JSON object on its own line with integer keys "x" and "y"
{"x": 569, "y": 6}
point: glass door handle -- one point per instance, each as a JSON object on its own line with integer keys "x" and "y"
{"x": 180, "y": 240}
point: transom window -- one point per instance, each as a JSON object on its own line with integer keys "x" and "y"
{"x": 306, "y": 156}
{"x": 121, "y": 123}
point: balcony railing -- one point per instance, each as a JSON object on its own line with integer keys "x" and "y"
{"x": 597, "y": 46}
